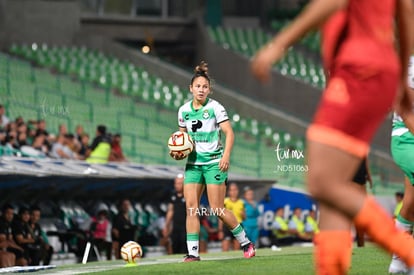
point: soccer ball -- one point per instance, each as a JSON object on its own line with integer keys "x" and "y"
{"x": 181, "y": 142}
{"x": 131, "y": 252}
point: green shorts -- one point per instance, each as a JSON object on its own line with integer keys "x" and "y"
{"x": 402, "y": 150}
{"x": 204, "y": 174}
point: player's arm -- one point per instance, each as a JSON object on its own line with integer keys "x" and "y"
{"x": 316, "y": 13}
{"x": 20, "y": 239}
{"x": 226, "y": 128}
{"x": 405, "y": 23}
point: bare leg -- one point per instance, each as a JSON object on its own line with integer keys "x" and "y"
{"x": 192, "y": 195}
{"x": 407, "y": 210}
{"x": 216, "y": 194}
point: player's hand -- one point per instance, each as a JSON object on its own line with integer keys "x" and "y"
{"x": 177, "y": 155}
{"x": 224, "y": 164}
{"x": 262, "y": 62}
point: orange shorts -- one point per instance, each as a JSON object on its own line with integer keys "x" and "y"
{"x": 353, "y": 106}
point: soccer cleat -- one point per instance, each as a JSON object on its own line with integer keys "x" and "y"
{"x": 249, "y": 250}
{"x": 397, "y": 266}
{"x": 191, "y": 258}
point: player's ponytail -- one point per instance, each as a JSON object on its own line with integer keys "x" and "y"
{"x": 201, "y": 70}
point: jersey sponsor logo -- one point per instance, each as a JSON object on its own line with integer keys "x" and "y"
{"x": 195, "y": 125}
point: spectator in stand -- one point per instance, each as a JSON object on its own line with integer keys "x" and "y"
{"x": 6, "y": 235}
{"x": 3, "y": 136}
{"x": 24, "y": 237}
{"x": 11, "y": 143}
{"x": 79, "y": 132}
{"x": 122, "y": 230}
{"x": 116, "y": 149}
{"x": 41, "y": 127}
{"x": 39, "y": 143}
{"x": 41, "y": 240}
{"x": 101, "y": 233}
{"x": 4, "y": 120}
{"x": 22, "y": 139}
{"x": 19, "y": 120}
{"x": 61, "y": 150}
{"x": 73, "y": 144}
{"x": 63, "y": 130}
{"x": 100, "y": 148}
{"x": 21, "y": 133}
{"x": 83, "y": 146}
{"x": 11, "y": 126}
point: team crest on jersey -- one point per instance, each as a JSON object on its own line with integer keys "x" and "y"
{"x": 206, "y": 114}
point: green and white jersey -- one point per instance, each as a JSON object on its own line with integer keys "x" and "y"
{"x": 203, "y": 126}
{"x": 398, "y": 126}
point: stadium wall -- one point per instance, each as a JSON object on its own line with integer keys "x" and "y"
{"x": 28, "y": 21}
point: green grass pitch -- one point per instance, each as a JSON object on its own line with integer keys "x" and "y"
{"x": 291, "y": 260}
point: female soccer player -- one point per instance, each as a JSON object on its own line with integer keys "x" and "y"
{"x": 402, "y": 149}
{"x": 207, "y": 165}
{"x": 364, "y": 74}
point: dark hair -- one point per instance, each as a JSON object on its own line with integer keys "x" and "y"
{"x": 201, "y": 70}
{"x": 6, "y": 207}
{"x": 35, "y": 208}
{"x": 101, "y": 129}
{"x": 23, "y": 210}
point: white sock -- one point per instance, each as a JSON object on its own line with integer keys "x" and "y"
{"x": 240, "y": 235}
{"x": 404, "y": 226}
{"x": 193, "y": 244}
